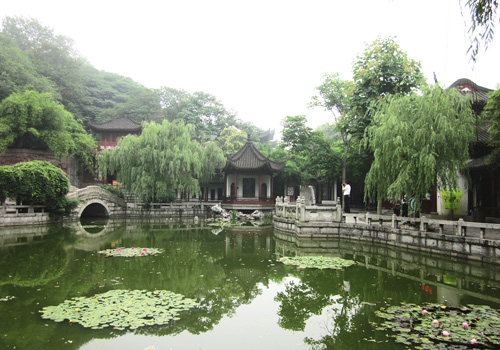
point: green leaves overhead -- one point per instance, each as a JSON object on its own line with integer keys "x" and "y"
{"x": 435, "y": 326}
{"x": 121, "y": 309}
{"x": 130, "y": 252}
{"x": 317, "y": 262}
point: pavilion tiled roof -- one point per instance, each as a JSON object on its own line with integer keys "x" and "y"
{"x": 119, "y": 124}
{"x": 468, "y": 87}
{"x": 250, "y": 158}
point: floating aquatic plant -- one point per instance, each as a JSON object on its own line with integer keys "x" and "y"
{"x": 318, "y": 262}
{"x": 130, "y": 252}
{"x": 121, "y": 309}
{"x": 436, "y": 326}
{"x": 7, "y": 298}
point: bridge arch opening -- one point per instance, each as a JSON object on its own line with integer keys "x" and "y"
{"x": 95, "y": 210}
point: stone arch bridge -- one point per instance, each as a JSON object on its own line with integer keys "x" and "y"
{"x": 97, "y": 202}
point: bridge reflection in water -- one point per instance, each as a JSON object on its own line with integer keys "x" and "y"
{"x": 446, "y": 279}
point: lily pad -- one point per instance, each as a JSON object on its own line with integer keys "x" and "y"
{"x": 130, "y": 252}
{"x": 437, "y": 326}
{"x": 121, "y": 309}
{"x": 317, "y": 262}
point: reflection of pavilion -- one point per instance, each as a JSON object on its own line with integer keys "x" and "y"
{"x": 247, "y": 258}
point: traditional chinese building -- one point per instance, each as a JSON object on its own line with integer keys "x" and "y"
{"x": 248, "y": 180}
{"x": 110, "y": 131}
{"x": 481, "y": 182}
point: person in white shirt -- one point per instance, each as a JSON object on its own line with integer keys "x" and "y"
{"x": 346, "y": 188}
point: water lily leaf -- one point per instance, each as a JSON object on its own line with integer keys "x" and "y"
{"x": 136, "y": 308}
{"x": 436, "y": 326}
{"x": 318, "y": 262}
{"x": 130, "y": 252}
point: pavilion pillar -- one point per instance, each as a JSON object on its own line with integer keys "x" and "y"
{"x": 271, "y": 184}
{"x": 260, "y": 187}
{"x": 236, "y": 186}
{"x": 225, "y": 185}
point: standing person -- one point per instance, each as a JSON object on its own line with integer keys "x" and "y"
{"x": 346, "y": 188}
{"x": 404, "y": 207}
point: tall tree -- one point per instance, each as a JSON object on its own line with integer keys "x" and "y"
{"x": 335, "y": 95}
{"x": 382, "y": 69}
{"x": 203, "y": 110}
{"x": 162, "y": 160}
{"x": 418, "y": 141}
{"x": 295, "y": 133}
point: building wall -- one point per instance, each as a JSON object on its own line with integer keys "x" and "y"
{"x": 263, "y": 179}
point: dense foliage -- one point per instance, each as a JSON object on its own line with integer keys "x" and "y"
{"x": 162, "y": 161}
{"x": 35, "y": 183}
{"x": 492, "y": 115}
{"x": 419, "y": 141}
{"x": 35, "y": 121}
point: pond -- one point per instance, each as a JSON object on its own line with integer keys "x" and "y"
{"x": 247, "y": 298}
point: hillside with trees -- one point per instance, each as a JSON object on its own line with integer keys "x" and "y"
{"x": 33, "y": 57}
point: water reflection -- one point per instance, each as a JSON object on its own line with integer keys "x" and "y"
{"x": 235, "y": 277}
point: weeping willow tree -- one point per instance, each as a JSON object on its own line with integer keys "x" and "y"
{"x": 162, "y": 161}
{"x": 418, "y": 141}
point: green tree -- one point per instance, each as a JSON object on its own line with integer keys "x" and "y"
{"x": 19, "y": 72}
{"x": 382, "y": 69}
{"x": 418, "y": 141}
{"x": 35, "y": 121}
{"x": 231, "y": 140}
{"x": 54, "y": 57}
{"x": 295, "y": 133}
{"x": 492, "y": 114}
{"x": 200, "y": 109}
{"x": 335, "y": 95}
{"x": 162, "y": 160}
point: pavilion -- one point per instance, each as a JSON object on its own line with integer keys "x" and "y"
{"x": 248, "y": 180}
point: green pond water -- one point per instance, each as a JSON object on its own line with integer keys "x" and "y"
{"x": 247, "y": 299}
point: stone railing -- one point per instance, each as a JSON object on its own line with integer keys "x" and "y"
{"x": 307, "y": 213}
{"x": 424, "y": 224}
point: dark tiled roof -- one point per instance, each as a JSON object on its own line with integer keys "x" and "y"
{"x": 119, "y": 124}
{"x": 476, "y": 163}
{"x": 467, "y": 86}
{"x": 250, "y": 158}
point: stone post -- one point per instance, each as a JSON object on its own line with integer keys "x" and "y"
{"x": 339, "y": 210}
{"x": 368, "y": 219}
{"x": 395, "y": 222}
{"x": 424, "y": 223}
{"x": 461, "y": 229}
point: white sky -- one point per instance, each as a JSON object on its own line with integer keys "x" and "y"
{"x": 261, "y": 59}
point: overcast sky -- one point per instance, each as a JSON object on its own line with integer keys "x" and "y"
{"x": 262, "y": 59}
